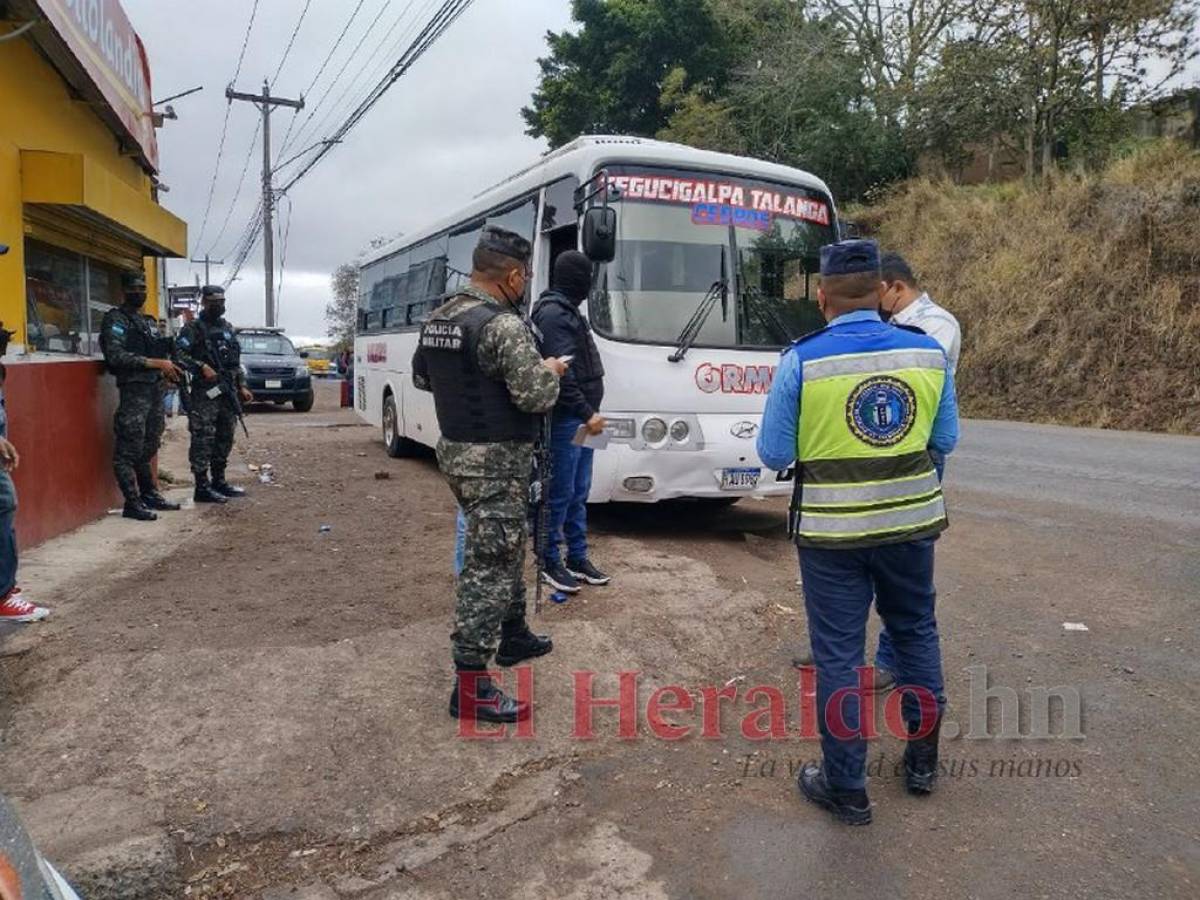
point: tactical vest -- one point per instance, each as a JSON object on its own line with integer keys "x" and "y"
{"x": 471, "y": 407}
{"x": 220, "y": 347}
{"x": 865, "y": 424}
{"x": 140, "y": 340}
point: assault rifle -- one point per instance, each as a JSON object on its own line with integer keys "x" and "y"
{"x": 225, "y": 379}
{"x": 539, "y": 498}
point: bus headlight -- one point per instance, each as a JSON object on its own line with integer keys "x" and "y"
{"x": 654, "y": 431}
{"x": 621, "y": 429}
{"x": 680, "y": 431}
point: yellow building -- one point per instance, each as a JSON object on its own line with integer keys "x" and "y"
{"x": 78, "y": 206}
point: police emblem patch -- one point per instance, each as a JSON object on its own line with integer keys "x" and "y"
{"x": 881, "y": 411}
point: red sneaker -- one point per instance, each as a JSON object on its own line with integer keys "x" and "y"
{"x": 15, "y": 609}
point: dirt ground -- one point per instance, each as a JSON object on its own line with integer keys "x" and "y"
{"x": 241, "y": 702}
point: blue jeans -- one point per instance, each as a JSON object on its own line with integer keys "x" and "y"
{"x": 839, "y": 587}
{"x": 460, "y": 542}
{"x": 8, "y": 534}
{"x": 570, "y": 484}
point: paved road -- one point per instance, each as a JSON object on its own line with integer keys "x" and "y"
{"x": 1128, "y": 473}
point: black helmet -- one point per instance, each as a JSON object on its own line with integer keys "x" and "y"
{"x": 133, "y": 282}
{"x": 212, "y": 290}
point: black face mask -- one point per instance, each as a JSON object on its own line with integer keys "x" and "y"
{"x": 885, "y": 314}
{"x": 214, "y": 311}
{"x": 135, "y": 301}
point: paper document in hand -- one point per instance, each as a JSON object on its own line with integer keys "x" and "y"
{"x": 592, "y": 441}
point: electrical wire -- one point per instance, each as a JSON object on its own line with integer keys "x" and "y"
{"x": 291, "y": 41}
{"x": 446, "y": 15}
{"x": 212, "y": 187}
{"x": 283, "y": 249}
{"x": 237, "y": 194}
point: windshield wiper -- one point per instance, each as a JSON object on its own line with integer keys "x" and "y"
{"x": 691, "y": 331}
{"x": 753, "y": 299}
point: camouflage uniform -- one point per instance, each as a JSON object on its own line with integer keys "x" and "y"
{"x": 211, "y": 420}
{"x": 128, "y": 340}
{"x": 491, "y": 483}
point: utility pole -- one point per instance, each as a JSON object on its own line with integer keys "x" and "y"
{"x": 207, "y": 263}
{"x": 265, "y": 102}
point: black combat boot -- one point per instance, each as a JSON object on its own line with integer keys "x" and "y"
{"x": 921, "y": 760}
{"x": 134, "y": 509}
{"x": 491, "y": 704}
{"x": 205, "y": 493}
{"x": 851, "y": 807}
{"x": 518, "y": 643}
{"x": 154, "y": 500}
{"x": 224, "y": 488}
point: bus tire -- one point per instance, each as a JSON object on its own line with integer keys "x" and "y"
{"x": 397, "y": 445}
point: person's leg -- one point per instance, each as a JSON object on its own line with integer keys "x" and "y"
{"x": 8, "y": 534}
{"x": 903, "y": 579}
{"x": 885, "y": 652}
{"x": 222, "y": 442}
{"x": 460, "y": 540}
{"x": 202, "y": 423}
{"x": 156, "y": 424}
{"x": 575, "y": 522}
{"x": 837, "y": 599}
{"x": 129, "y": 439}
{"x": 564, "y": 457}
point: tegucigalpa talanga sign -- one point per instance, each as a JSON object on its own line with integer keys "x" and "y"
{"x": 102, "y": 39}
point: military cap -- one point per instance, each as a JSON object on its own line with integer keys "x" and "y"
{"x": 849, "y": 258}
{"x": 506, "y": 243}
{"x": 133, "y": 282}
{"x": 211, "y": 290}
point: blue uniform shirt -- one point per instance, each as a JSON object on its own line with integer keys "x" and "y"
{"x": 856, "y": 332}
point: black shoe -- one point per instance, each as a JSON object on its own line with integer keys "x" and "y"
{"x": 139, "y": 512}
{"x": 225, "y": 489}
{"x": 558, "y": 577}
{"x": 491, "y": 704}
{"x": 921, "y": 760}
{"x": 583, "y": 570}
{"x": 205, "y": 494}
{"x": 518, "y": 643}
{"x": 155, "y": 500}
{"x": 851, "y": 807}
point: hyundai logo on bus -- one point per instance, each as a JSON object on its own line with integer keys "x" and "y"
{"x": 730, "y": 378}
{"x": 743, "y": 430}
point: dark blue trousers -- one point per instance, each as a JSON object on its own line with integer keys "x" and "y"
{"x": 570, "y": 484}
{"x": 8, "y": 534}
{"x": 839, "y": 587}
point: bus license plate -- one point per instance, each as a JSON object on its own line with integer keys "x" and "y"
{"x": 274, "y": 385}
{"x": 739, "y": 479}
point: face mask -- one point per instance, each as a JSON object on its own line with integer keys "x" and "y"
{"x": 214, "y": 311}
{"x": 135, "y": 301}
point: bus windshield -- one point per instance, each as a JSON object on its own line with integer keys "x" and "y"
{"x": 678, "y": 235}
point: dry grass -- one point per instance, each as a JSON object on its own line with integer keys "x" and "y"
{"x": 1079, "y": 299}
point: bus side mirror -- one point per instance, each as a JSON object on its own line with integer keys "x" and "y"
{"x": 600, "y": 234}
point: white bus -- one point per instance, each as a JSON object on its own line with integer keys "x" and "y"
{"x": 713, "y": 273}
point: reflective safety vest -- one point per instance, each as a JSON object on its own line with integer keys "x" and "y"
{"x": 865, "y": 424}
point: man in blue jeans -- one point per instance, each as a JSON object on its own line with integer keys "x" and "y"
{"x": 565, "y": 332}
{"x": 13, "y": 606}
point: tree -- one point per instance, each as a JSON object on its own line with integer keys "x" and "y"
{"x": 609, "y": 75}
{"x": 341, "y": 314}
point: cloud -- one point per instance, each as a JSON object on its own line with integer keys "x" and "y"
{"x": 447, "y": 130}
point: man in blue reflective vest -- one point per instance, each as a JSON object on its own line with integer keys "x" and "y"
{"x": 858, "y": 406}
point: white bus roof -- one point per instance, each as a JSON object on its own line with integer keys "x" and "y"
{"x": 585, "y": 155}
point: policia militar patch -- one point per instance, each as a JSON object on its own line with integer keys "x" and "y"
{"x": 881, "y": 411}
{"x": 442, "y": 336}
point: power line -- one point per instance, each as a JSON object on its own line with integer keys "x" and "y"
{"x": 283, "y": 243}
{"x": 291, "y": 42}
{"x": 283, "y": 148}
{"x": 237, "y": 194}
{"x": 446, "y": 15}
{"x": 212, "y": 187}
{"x": 336, "y": 78}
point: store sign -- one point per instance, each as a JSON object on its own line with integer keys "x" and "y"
{"x": 719, "y": 193}
{"x": 103, "y": 41}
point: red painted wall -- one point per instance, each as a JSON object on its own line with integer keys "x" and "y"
{"x": 60, "y": 420}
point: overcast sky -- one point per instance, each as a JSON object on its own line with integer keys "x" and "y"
{"x": 449, "y": 128}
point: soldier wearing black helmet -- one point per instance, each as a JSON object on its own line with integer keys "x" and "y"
{"x": 140, "y": 360}
{"x": 208, "y": 348}
{"x": 490, "y": 385}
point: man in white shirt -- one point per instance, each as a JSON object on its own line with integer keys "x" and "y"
{"x": 904, "y": 303}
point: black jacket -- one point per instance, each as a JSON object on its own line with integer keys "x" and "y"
{"x": 565, "y": 332}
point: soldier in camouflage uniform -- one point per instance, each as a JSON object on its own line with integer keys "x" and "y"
{"x": 490, "y": 385}
{"x": 208, "y": 348}
{"x": 140, "y": 359}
